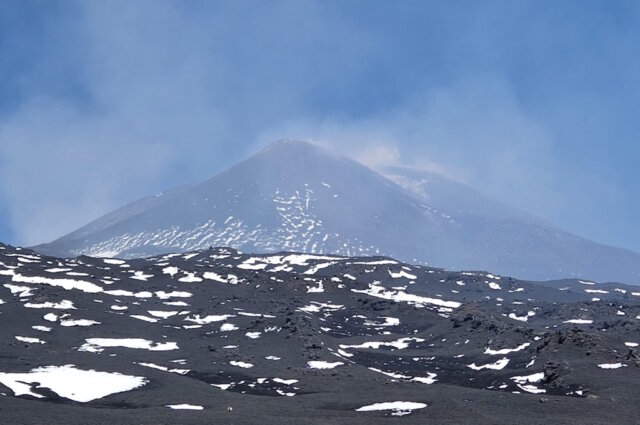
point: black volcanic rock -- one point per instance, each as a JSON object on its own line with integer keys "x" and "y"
{"x": 306, "y": 339}
{"x": 294, "y": 196}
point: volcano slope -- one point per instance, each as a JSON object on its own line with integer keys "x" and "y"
{"x": 217, "y": 336}
{"x": 295, "y": 196}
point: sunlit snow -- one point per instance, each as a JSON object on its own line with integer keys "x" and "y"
{"x": 71, "y": 383}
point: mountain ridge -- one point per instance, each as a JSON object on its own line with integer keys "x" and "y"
{"x": 296, "y": 196}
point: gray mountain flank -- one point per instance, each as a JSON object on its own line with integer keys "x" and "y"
{"x": 295, "y": 196}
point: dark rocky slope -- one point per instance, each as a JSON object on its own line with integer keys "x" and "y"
{"x": 289, "y": 338}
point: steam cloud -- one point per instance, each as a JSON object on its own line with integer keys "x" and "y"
{"x": 125, "y": 102}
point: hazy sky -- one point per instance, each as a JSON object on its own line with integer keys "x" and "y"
{"x": 535, "y": 103}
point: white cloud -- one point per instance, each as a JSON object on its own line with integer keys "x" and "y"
{"x": 379, "y": 156}
{"x": 473, "y": 132}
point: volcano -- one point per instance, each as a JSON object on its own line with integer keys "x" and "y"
{"x": 295, "y": 196}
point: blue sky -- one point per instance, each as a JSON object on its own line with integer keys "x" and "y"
{"x": 534, "y": 103}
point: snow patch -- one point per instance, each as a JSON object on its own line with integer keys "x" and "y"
{"x": 29, "y": 340}
{"x": 243, "y": 365}
{"x": 71, "y": 383}
{"x": 97, "y": 345}
{"x": 579, "y": 321}
{"x": 184, "y": 407}
{"x": 399, "y": 408}
{"x": 503, "y": 351}
{"x": 499, "y": 365}
{"x": 319, "y": 364}
{"x": 610, "y": 365}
